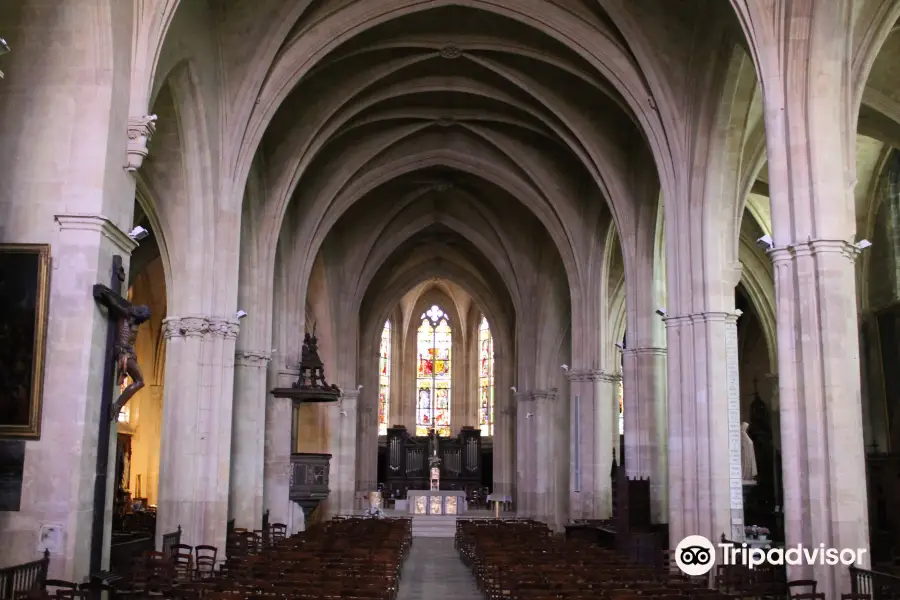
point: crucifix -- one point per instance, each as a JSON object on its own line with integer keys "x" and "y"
{"x": 128, "y": 319}
{"x": 121, "y": 332}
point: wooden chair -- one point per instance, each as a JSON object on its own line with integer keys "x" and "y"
{"x": 182, "y": 556}
{"x": 796, "y": 586}
{"x": 277, "y": 532}
{"x": 205, "y": 561}
{"x": 809, "y": 596}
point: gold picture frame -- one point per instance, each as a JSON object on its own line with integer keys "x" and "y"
{"x": 24, "y": 305}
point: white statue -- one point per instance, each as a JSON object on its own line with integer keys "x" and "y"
{"x": 748, "y": 455}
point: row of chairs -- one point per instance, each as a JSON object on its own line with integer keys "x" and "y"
{"x": 348, "y": 558}
{"x": 523, "y": 560}
{"x": 243, "y": 542}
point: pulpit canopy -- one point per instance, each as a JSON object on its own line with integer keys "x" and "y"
{"x": 310, "y": 385}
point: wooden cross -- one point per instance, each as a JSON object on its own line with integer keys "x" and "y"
{"x": 117, "y": 277}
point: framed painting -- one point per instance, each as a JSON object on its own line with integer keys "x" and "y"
{"x": 24, "y": 299}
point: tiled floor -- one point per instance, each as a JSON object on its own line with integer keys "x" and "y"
{"x": 433, "y": 571}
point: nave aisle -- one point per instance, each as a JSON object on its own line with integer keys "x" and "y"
{"x": 433, "y": 571}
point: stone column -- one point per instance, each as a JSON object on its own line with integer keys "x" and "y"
{"x": 342, "y": 447}
{"x": 504, "y": 435}
{"x": 774, "y": 407}
{"x": 278, "y": 450}
{"x": 367, "y": 446}
{"x": 526, "y": 444}
{"x": 548, "y": 460}
{"x": 248, "y": 439}
{"x": 592, "y": 439}
{"x": 705, "y": 492}
{"x": 775, "y": 425}
{"x": 151, "y": 485}
{"x": 64, "y": 144}
{"x": 825, "y": 499}
{"x": 195, "y": 456}
{"x": 646, "y": 423}
{"x": 58, "y": 483}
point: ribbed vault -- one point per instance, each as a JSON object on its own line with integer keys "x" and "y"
{"x": 501, "y": 94}
{"x": 451, "y": 119}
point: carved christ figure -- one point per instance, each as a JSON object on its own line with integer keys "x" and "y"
{"x": 128, "y": 320}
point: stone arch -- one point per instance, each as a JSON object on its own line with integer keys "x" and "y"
{"x": 191, "y": 291}
{"x": 877, "y": 27}
{"x": 148, "y": 202}
{"x": 387, "y": 245}
{"x": 759, "y": 284}
{"x": 747, "y": 139}
{"x": 875, "y": 200}
{"x": 152, "y": 23}
{"x": 612, "y": 297}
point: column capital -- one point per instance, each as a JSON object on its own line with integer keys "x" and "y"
{"x": 99, "y": 224}
{"x": 140, "y": 131}
{"x": 548, "y": 395}
{"x": 592, "y": 375}
{"x": 251, "y": 358}
{"x": 701, "y": 317}
{"x": 789, "y": 252}
{"x": 200, "y": 326}
{"x": 531, "y": 395}
{"x": 350, "y": 395}
{"x": 523, "y": 396}
{"x": 222, "y": 327}
{"x": 649, "y": 351}
{"x": 733, "y": 273}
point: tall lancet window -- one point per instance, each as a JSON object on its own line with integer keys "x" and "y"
{"x": 433, "y": 373}
{"x": 485, "y": 378}
{"x": 384, "y": 379}
{"x": 621, "y": 409}
{"x": 622, "y": 386}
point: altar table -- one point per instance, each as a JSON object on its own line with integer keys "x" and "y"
{"x": 443, "y": 502}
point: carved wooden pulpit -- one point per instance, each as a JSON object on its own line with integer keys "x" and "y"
{"x": 309, "y": 472}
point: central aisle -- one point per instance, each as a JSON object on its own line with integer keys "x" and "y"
{"x": 433, "y": 571}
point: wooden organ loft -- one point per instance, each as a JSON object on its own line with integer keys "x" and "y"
{"x": 407, "y": 458}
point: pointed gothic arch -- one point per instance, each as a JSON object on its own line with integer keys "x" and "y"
{"x": 434, "y": 341}
{"x": 485, "y": 378}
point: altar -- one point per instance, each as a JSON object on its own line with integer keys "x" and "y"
{"x": 436, "y": 502}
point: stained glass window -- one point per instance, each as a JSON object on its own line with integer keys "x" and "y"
{"x": 433, "y": 373}
{"x": 621, "y": 409}
{"x": 384, "y": 379}
{"x": 125, "y": 413}
{"x": 485, "y": 378}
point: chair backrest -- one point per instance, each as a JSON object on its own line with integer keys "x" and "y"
{"x": 205, "y": 560}
{"x": 801, "y": 583}
{"x": 277, "y": 532}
